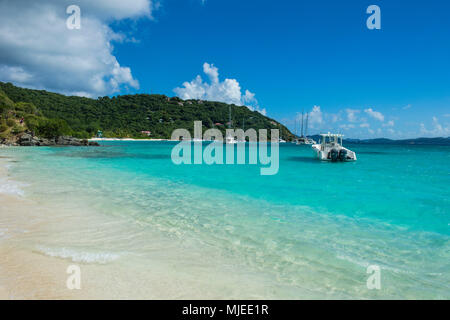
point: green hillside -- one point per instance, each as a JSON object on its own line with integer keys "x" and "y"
{"x": 127, "y": 115}
{"x": 18, "y": 117}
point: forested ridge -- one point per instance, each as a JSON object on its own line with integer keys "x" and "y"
{"x": 124, "y": 115}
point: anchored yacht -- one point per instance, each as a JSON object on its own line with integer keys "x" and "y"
{"x": 304, "y": 138}
{"x": 230, "y": 139}
{"x": 330, "y": 148}
{"x": 280, "y": 139}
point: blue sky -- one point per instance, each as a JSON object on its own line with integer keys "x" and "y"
{"x": 318, "y": 56}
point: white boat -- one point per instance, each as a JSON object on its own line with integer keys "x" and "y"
{"x": 330, "y": 149}
{"x": 280, "y": 139}
{"x": 305, "y": 140}
{"x": 229, "y": 139}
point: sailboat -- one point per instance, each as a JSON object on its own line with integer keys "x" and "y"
{"x": 243, "y": 129}
{"x": 280, "y": 140}
{"x": 295, "y": 131}
{"x": 304, "y": 139}
{"x": 229, "y": 139}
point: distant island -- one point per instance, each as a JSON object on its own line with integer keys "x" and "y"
{"x": 417, "y": 141}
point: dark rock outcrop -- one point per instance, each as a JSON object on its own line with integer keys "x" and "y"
{"x": 71, "y": 141}
{"x": 68, "y": 141}
{"x": 27, "y": 139}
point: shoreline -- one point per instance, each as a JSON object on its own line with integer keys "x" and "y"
{"x": 25, "y": 273}
{"x": 40, "y": 239}
{"x": 127, "y": 139}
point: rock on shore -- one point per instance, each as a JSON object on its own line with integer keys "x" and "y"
{"x": 28, "y": 140}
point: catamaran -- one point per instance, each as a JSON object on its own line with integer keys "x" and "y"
{"x": 330, "y": 149}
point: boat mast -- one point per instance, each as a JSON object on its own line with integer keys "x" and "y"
{"x": 295, "y": 124}
{"x": 229, "y": 117}
{"x": 302, "y": 123}
{"x": 306, "y": 125}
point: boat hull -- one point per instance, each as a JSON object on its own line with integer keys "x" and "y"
{"x": 324, "y": 155}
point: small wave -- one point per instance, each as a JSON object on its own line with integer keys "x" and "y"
{"x": 79, "y": 256}
{"x": 365, "y": 264}
{"x": 354, "y": 261}
{"x": 3, "y": 233}
{"x": 11, "y": 187}
{"x": 8, "y": 186}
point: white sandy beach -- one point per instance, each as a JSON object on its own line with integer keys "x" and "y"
{"x": 25, "y": 274}
{"x": 40, "y": 240}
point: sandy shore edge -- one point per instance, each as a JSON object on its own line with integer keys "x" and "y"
{"x": 24, "y": 273}
{"x": 33, "y": 226}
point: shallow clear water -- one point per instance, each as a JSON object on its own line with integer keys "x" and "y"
{"x": 308, "y": 232}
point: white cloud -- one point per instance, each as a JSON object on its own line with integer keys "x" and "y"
{"x": 249, "y": 98}
{"x": 406, "y": 107}
{"x": 352, "y": 115}
{"x": 315, "y": 117}
{"x": 212, "y": 72}
{"x": 335, "y": 117}
{"x": 355, "y": 124}
{"x": 436, "y": 130}
{"x": 263, "y": 111}
{"x": 250, "y": 101}
{"x": 374, "y": 114}
{"x": 39, "y": 51}
{"x": 228, "y": 91}
{"x": 347, "y": 126}
{"x": 390, "y": 123}
{"x": 15, "y": 74}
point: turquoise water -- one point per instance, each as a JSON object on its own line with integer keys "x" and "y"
{"x": 310, "y": 231}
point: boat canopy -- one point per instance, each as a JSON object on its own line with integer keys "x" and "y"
{"x": 332, "y": 135}
{"x": 332, "y": 138}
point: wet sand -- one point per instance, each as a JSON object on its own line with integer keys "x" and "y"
{"x": 39, "y": 240}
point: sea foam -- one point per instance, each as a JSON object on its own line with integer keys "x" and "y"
{"x": 78, "y": 255}
{"x": 3, "y": 233}
{"x": 11, "y": 187}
